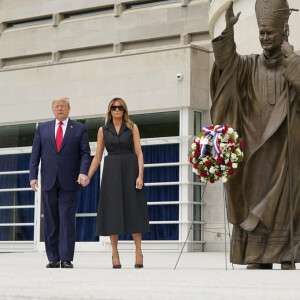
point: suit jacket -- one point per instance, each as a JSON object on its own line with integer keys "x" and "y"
{"x": 72, "y": 159}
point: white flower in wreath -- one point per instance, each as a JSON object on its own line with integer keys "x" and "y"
{"x": 205, "y": 159}
{"x": 223, "y": 167}
{"x": 224, "y": 179}
{"x": 236, "y": 135}
{"x": 234, "y": 165}
{"x": 212, "y": 133}
{"x": 195, "y": 171}
{"x": 219, "y": 137}
{"x": 210, "y": 143}
{"x": 238, "y": 152}
{"x": 197, "y": 140}
{"x": 226, "y": 161}
{"x": 212, "y": 170}
{"x": 230, "y": 130}
{"x": 223, "y": 145}
{"x": 233, "y": 156}
{"x": 194, "y": 146}
{"x": 194, "y": 160}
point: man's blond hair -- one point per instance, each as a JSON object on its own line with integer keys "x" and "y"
{"x": 66, "y": 99}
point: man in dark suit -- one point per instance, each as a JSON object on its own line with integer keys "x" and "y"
{"x": 62, "y": 146}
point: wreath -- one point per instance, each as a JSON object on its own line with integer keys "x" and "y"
{"x": 216, "y": 153}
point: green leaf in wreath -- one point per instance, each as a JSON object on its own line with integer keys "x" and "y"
{"x": 201, "y": 134}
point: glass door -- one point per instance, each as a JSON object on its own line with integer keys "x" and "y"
{"x": 17, "y": 200}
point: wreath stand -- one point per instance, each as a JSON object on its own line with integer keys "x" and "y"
{"x": 226, "y": 229}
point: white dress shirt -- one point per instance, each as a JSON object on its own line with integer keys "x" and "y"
{"x": 64, "y": 126}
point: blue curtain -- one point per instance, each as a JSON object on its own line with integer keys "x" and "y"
{"x": 18, "y": 162}
{"x": 25, "y": 198}
{"x": 161, "y": 154}
{"x": 5, "y": 198}
{"x": 87, "y": 203}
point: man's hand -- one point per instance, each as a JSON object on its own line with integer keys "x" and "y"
{"x": 34, "y": 184}
{"x": 83, "y": 180}
{"x": 287, "y": 49}
{"x": 230, "y": 17}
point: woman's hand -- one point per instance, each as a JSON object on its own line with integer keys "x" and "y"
{"x": 139, "y": 183}
{"x": 230, "y": 17}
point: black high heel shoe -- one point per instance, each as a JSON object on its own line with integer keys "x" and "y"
{"x": 139, "y": 266}
{"x": 116, "y": 266}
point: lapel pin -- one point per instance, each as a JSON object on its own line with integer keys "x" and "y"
{"x": 72, "y": 126}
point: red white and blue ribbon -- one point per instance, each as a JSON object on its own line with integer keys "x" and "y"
{"x": 218, "y": 130}
{"x": 205, "y": 139}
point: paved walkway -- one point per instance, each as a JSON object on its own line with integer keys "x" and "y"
{"x": 198, "y": 276}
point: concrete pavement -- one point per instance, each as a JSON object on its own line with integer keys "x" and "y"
{"x": 198, "y": 276}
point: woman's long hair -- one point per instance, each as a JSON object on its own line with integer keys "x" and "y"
{"x": 126, "y": 120}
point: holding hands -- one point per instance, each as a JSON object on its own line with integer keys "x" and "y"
{"x": 83, "y": 180}
{"x": 230, "y": 17}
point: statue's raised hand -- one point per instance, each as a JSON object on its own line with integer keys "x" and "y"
{"x": 230, "y": 17}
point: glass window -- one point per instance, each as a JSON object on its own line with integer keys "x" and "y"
{"x": 16, "y": 233}
{"x": 93, "y": 126}
{"x": 89, "y": 12}
{"x": 9, "y": 200}
{"x": 146, "y": 3}
{"x": 161, "y": 153}
{"x": 29, "y": 22}
{"x": 157, "y": 124}
{"x": 163, "y": 212}
{"x": 197, "y": 188}
{"x": 161, "y": 174}
{"x": 17, "y": 135}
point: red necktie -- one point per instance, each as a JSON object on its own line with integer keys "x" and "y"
{"x": 59, "y": 136}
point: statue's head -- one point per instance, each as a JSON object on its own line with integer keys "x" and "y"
{"x": 272, "y": 23}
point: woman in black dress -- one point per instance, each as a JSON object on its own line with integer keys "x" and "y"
{"x": 122, "y": 204}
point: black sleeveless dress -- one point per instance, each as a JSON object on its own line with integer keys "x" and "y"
{"x": 122, "y": 208}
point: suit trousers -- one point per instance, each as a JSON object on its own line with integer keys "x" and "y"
{"x": 59, "y": 208}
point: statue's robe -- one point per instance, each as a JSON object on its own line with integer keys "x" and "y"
{"x": 249, "y": 94}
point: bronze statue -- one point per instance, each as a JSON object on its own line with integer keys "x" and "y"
{"x": 259, "y": 96}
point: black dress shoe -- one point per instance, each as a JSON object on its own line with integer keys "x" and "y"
{"x": 66, "y": 264}
{"x": 53, "y": 264}
{"x": 139, "y": 266}
{"x": 116, "y": 266}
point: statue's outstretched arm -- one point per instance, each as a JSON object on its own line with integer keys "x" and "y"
{"x": 224, "y": 45}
